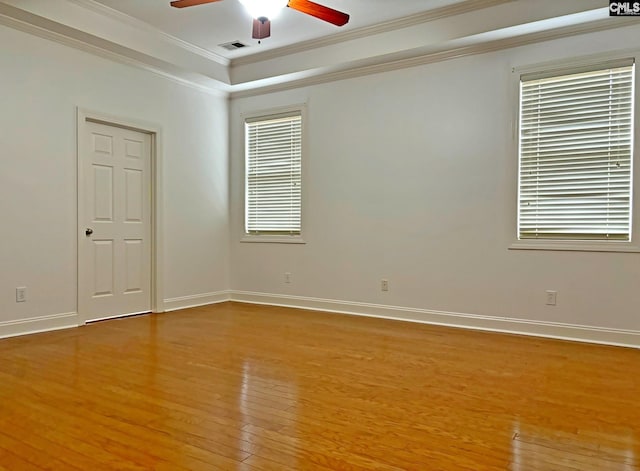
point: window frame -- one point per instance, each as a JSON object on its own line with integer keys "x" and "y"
{"x": 267, "y": 114}
{"x": 560, "y": 68}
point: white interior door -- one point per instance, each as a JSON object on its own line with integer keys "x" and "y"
{"x": 115, "y": 224}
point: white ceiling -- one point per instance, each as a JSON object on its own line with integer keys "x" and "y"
{"x": 210, "y": 25}
{"x": 182, "y": 44}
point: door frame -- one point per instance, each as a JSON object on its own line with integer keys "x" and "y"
{"x": 85, "y": 116}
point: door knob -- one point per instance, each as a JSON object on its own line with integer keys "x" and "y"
{"x": 88, "y": 231}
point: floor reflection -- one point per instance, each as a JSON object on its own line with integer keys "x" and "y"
{"x": 256, "y": 393}
{"x": 536, "y": 448}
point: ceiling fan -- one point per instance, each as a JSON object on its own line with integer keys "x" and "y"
{"x": 262, "y": 10}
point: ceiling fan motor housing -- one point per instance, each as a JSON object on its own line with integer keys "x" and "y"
{"x": 260, "y": 8}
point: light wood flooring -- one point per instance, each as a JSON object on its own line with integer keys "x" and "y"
{"x": 242, "y": 387}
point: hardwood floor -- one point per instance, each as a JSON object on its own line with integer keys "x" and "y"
{"x": 242, "y": 387}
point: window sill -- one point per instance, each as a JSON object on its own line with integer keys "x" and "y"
{"x": 280, "y": 239}
{"x": 575, "y": 246}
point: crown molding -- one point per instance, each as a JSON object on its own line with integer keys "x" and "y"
{"x": 387, "y": 63}
{"x": 106, "y": 11}
{"x": 392, "y": 25}
{"x": 68, "y": 41}
{"x": 48, "y": 29}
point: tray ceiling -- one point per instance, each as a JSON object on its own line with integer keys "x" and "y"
{"x": 183, "y": 44}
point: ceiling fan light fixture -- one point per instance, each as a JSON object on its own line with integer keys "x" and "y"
{"x": 264, "y": 8}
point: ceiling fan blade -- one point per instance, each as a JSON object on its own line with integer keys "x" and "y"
{"x": 261, "y": 28}
{"x": 330, "y": 15}
{"x": 190, "y": 3}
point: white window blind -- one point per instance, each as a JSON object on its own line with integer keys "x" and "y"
{"x": 274, "y": 174}
{"x": 576, "y": 145}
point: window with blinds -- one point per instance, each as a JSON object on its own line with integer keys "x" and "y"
{"x": 274, "y": 174}
{"x": 575, "y": 174}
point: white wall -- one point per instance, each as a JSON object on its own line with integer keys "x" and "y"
{"x": 42, "y": 83}
{"x": 410, "y": 179}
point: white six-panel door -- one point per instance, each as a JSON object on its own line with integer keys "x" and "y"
{"x": 114, "y": 194}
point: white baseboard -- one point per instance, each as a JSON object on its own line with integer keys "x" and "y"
{"x": 38, "y": 324}
{"x": 578, "y": 333}
{"x": 183, "y": 302}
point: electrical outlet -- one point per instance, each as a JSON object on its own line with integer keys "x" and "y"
{"x": 551, "y": 297}
{"x": 21, "y": 294}
{"x": 287, "y": 277}
{"x": 384, "y": 285}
